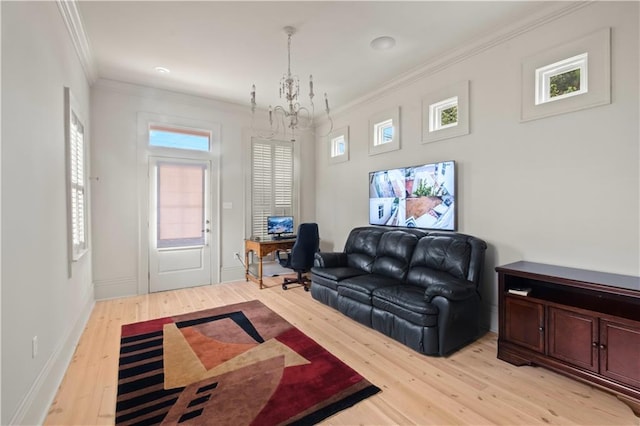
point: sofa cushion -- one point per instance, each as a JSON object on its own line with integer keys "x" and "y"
{"x": 353, "y": 295}
{"x": 361, "y": 287}
{"x": 337, "y": 274}
{"x": 406, "y": 301}
{"x": 394, "y": 253}
{"x": 424, "y": 277}
{"x": 361, "y": 247}
{"x": 319, "y": 281}
{"x": 442, "y": 253}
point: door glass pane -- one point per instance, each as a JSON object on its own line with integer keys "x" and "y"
{"x": 180, "y": 205}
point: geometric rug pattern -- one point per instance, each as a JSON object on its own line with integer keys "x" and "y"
{"x": 239, "y": 364}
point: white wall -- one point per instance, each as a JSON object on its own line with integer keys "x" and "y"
{"x": 562, "y": 190}
{"x": 38, "y": 298}
{"x": 114, "y": 111}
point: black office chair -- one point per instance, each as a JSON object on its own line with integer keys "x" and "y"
{"x": 300, "y": 258}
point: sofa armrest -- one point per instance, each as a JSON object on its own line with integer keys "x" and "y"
{"x": 453, "y": 290}
{"x": 330, "y": 260}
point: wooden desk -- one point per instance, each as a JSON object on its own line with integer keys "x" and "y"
{"x": 261, "y": 249}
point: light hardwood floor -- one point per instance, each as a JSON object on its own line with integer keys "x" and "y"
{"x": 469, "y": 387}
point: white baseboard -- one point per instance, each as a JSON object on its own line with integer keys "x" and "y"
{"x": 34, "y": 407}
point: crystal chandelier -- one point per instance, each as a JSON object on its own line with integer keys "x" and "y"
{"x": 292, "y": 115}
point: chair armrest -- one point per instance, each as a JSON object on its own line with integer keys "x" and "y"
{"x": 454, "y": 290}
{"x": 330, "y": 260}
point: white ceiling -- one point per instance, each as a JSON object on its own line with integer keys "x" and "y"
{"x": 219, "y": 49}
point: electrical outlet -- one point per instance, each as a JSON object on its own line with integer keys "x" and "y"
{"x": 34, "y": 347}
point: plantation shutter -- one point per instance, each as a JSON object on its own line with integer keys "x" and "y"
{"x": 77, "y": 187}
{"x": 271, "y": 183}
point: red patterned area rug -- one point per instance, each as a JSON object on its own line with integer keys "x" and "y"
{"x": 234, "y": 365}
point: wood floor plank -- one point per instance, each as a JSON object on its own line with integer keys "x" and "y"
{"x": 469, "y": 387}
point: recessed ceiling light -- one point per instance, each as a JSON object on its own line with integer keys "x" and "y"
{"x": 162, "y": 70}
{"x": 383, "y": 43}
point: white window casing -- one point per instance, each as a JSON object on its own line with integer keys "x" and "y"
{"x": 435, "y": 114}
{"x": 445, "y": 112}
{"x": 77, "y": 213}
{"x": 339, "y": 145}
{"x": 546, "y": 73}
{"x": 384, "y": 131}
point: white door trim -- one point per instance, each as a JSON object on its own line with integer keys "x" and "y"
{"x": 142, "y": 166}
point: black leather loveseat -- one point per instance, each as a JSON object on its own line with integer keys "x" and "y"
{"x": 418, "y": 287}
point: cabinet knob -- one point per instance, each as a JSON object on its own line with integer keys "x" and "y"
{"x": 541, "y": 329}
{"x": 594, "y": 344}
{"x": 602, "y": 346}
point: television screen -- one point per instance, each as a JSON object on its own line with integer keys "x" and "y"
{"x": 414, "y": 197}
{"x": 280, "y": 225}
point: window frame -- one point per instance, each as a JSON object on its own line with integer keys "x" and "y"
{"x": 377, "y": 124}
{"x": 333, "y": 137}
{"x": 545, "y": 73}
{"x": 433, "y": 104}
{"x": 77, "y": 187}
{"x": 598, "y": 47}
{"x": 436, "y": 110}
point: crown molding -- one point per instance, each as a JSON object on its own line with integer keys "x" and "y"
{"x": 482, "y": 44}
{"x": 73, "y": 22}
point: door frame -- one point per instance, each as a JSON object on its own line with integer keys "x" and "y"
{"x": 144, "y": 151}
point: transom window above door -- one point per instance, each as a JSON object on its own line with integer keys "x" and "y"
{"x": 179, "y": 138}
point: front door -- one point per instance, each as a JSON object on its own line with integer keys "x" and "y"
{"x": 179, "y": 223}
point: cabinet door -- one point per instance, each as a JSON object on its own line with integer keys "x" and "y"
{"x": 524, "y": 323}
{"x": 573, "y": 337}
{"x": 620, "y": 351}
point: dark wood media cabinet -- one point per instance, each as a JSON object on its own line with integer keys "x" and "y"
{"x": 579, "y": 323}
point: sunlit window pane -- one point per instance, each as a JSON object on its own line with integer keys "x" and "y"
{"x": 165, "y": 137}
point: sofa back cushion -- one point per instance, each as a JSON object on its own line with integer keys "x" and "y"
{"x": 394, "y": 254}
{"x": 361, "y": 247}
{"x": 435, "y": 255}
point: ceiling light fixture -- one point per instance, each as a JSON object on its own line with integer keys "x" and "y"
{"x": 292, "y": 115}
{"x": 162, "y": 70}
{"x": 383, "y": 43}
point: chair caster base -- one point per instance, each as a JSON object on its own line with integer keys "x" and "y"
{"x": 284, "y": 287}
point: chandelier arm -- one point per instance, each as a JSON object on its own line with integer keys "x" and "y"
{"x": 292, "y": 114}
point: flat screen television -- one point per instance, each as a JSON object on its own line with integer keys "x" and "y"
{"x": 278, "y": 225}
{"x": 414, "y": 197}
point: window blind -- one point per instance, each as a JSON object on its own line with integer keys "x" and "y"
{"x": 271, "y": 183}
{"x": 77, "y": 187}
